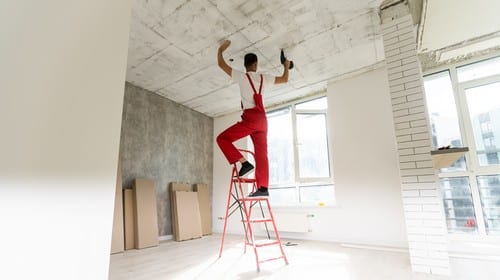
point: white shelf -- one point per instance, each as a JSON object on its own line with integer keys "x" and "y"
{"x": 446, "y": 157}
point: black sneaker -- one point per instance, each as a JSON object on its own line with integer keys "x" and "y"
{"x": 260, "y": 192}
{"x": 245, "y": 168}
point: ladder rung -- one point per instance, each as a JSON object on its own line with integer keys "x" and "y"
{"x": 271, "y": 259}
{"x": 237, "y": 200}
{"x": 263, "y": 243}
{"x": 243, "y": 180}
{"x": 257, "y": 198}
{"x": 260, "y": 220}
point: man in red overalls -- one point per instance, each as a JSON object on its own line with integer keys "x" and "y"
{"x": 253, "y": 121}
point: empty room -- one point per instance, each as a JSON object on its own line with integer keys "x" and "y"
{"x": 285, "y": 139}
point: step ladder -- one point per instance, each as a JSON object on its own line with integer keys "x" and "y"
{"x": 238, "y": 201}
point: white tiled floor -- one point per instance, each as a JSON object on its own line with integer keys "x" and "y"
{"x": 198, "y": 259}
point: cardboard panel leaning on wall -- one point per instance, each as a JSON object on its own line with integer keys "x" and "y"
{"x": 146, "y": 217}
{"x": 173, "y": 208}
{"x": 188, "y": 214}
{"x": 117, "y": 239}
{"x": 129, "y": 213}
{"x": 205, "y": 207}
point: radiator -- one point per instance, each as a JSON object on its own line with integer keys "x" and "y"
{"x": 293, "y": 222}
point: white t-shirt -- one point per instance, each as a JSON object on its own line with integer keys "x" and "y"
{"x": 246, "y": 91}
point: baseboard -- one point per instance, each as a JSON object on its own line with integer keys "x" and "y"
{"x": 376, "y": 248}
{"x": 479, "y": 257}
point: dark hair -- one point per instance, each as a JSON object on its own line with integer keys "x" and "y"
{"x": 250, "y": 58}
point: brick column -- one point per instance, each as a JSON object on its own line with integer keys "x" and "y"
{"x": 423, "y": 206}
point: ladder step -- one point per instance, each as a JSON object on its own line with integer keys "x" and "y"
{"x": 257, "y": 198}
{"x": 237, "y": 200}
{"x": 259, "y": 220}
{"x": 243, "y": 180}
{"x": 271, "y": 259}
{"x": 264, "y": 242}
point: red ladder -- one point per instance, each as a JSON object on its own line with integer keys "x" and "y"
{"x": 236, "y": 200}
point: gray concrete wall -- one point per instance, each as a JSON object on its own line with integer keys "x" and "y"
{"x": 166, "y": 142}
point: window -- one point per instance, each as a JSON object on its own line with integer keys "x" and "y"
{"x": 478, "y": 70}
{"x": 280, "y": 147}
{"x": 312, "y": 146}
{"x": 458, "y": 204}
{"x": 489, "y": 190}
{"x": 299, "y": 155}
{"x": 443, "y": 115}
{"x": 464, "y": 110}
{"x": 484, "y": 111}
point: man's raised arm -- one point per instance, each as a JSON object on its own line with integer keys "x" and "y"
{"x": 220, "y": 59}
{"x": 283, "y": 78}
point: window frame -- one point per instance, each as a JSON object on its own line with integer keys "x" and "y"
{"x": 473, "y": 168}
{"x": 298, "y": 178}
{"x": 305, "y": 182}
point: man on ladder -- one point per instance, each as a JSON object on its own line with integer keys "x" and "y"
{"x": 253, "y": 121}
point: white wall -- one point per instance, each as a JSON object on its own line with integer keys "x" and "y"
{"x": 62, "y": 76}
{"x": 369, "y": 208}
{"x": 222, "y": 178}
{"x": 449, "y": 22}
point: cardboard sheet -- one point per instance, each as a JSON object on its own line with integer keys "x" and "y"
{"x": 188, "y": 215}
{"x": 175, "y": 186}
{"x": 128, "y": 213}
{"x": 146, "y": 218}
{"x": 205, "y": 208}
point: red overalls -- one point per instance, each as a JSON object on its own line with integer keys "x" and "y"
{"x": 254, "y": 123}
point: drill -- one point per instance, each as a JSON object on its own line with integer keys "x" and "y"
{"x": 282, "y": 58}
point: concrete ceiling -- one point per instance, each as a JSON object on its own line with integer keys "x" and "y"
{"x": 473, "y": 30}
{"x": 173, "y": 46}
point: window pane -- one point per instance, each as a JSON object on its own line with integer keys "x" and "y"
{"x": 312, "y": 146}
{"x": 316, "y": 104}
{"x": 489, "y": 191}
{"x": 316, "y": 194}
{"x": 443, "y": 115}
{"x": 479, "y": 70}
{"x": 280, "y": 147}
{"x": 283, "y": 196}
{"x": 458, "y": 205}
{"x": 484, "y": 110}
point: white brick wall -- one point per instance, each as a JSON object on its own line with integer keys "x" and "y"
{"x": 425, "y": 222}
